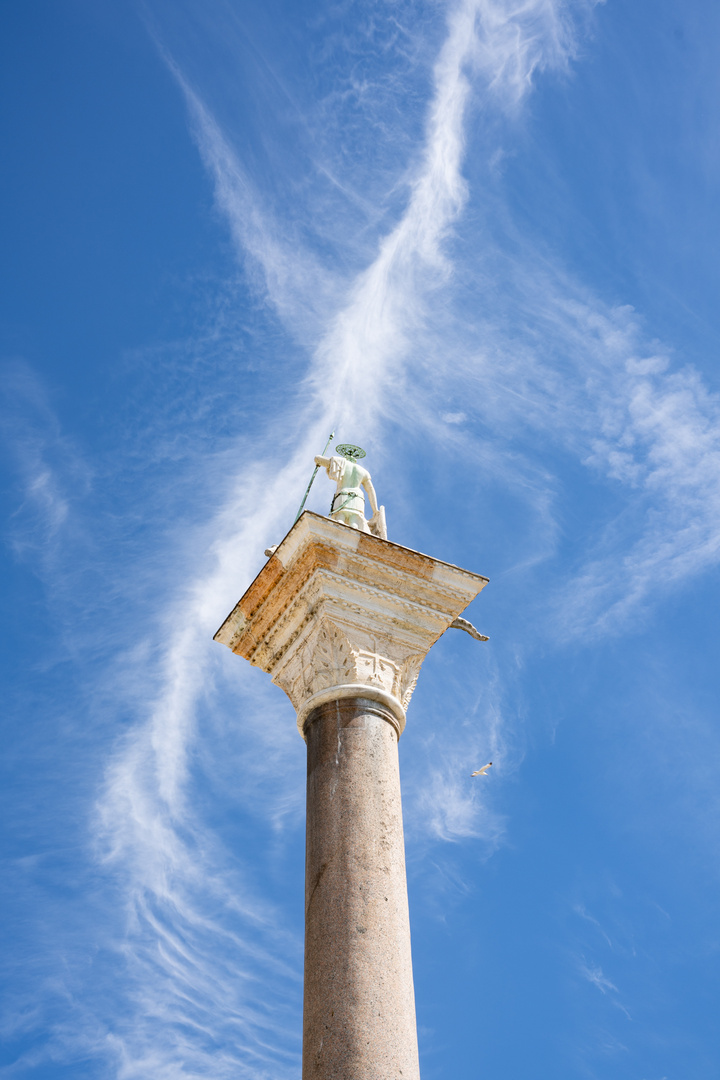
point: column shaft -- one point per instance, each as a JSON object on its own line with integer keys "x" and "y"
{"x": 359, "y": 1008}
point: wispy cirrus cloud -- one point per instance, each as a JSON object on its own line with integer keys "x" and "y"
{"x": 594, "y": 975}
{"x": 50, "y": 469}
{"x": 588, "y": 380}
{"x": 583, "y": 913}
{"x": 372, "y": 317}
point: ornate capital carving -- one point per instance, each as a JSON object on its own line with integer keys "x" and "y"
{"x": 336, "y": 661}
{"x": 337, "y": 613}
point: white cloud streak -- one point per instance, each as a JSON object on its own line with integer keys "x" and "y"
{"x": 598, "y": 389}
{"x": 594, "y": 975}
{"x": 51, "y": 471}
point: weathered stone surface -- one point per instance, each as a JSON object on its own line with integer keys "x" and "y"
{"x": 359, "y": 1014}
{"x": 336, "y": 613}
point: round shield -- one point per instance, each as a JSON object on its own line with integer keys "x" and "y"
{"x": 352, "y": 453}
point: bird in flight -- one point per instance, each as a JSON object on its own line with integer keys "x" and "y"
{"x": 483, "y": 771}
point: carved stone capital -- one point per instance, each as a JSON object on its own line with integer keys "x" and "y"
{"x": 338, "y": 613}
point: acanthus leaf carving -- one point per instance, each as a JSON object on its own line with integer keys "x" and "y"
{"x": 329, "y": 658}
{"x": 408, "y": 678}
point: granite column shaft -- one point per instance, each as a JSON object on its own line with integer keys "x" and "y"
{"x": 359, "y": 1007}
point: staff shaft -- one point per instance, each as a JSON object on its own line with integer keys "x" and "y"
{"x": 312, "y": 479}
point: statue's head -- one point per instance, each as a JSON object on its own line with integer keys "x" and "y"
{"x": 352, "y": 453}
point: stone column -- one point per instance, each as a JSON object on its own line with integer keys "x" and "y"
{"x": 343, "y": 621}
{"x": 359, "y": 1014}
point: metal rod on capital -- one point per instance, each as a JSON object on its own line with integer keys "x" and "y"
{"x": 312, "y": 478}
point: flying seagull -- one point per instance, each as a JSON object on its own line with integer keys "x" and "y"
{"x": 483, "y": 771}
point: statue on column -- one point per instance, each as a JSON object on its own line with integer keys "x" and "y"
{"x": 352, "y": 483}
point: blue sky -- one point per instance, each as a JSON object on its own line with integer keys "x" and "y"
{"x": 479, "y": 239}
